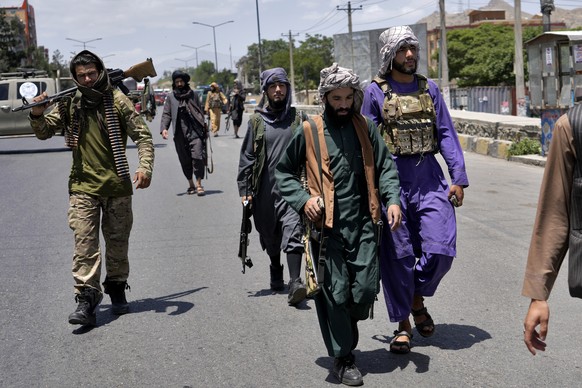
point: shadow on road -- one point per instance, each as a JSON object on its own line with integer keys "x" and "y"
{"x": 447, "y": 337}
{"x": 207, "y": 193}
{"x": 159, "y": 305}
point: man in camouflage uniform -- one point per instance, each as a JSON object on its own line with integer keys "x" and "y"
{"x": 215, "y": 99}
{"x": 96, "y": 123}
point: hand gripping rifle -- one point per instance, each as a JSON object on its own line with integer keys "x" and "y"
{"x": 116, "y": 76}
{"x": 245, "y": 229}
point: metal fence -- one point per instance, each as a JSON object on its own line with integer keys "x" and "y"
{"x": 486, "y": 99}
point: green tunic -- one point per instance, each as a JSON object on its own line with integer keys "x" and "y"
{"x": 93, "y": 170}
{"x": 352, "y": 270}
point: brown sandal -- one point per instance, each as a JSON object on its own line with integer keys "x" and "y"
{"x": 425, "y": 328}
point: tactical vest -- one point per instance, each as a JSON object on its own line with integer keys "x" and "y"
{"x": 259, "y": 142}
{"x": 214, "y": 100}
{"x": 408, "y": 120}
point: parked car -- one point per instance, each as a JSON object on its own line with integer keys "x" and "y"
{"x": 160, "y": 96}
{"x": 27, "y": 84}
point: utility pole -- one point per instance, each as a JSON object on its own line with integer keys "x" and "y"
{"x": 443, "y": 57}
{"x": 547, "y": 6}
{"x": 518, "y": 62}
{"x": 291, "y": 65}
{"x": 260, "y": 49}
{"x": 350, "y": 11}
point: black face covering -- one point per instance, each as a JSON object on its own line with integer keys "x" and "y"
{"x": 332, "y": 115}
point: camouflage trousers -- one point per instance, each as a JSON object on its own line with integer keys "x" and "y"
{"x": 114, "y": 216}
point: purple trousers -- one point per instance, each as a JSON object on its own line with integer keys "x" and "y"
{"x": 415, "y": 257}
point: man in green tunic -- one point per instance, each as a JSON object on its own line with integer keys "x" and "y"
{"x": 356, "y": 173}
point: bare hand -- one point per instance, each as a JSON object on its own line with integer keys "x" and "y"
{"x": 394, "y": 217}
{"x": 312, "y": 209}
{"x": 39, "y": 109}
{"x": 537, "y": 314}
{"x": 458, "y": 192}
{"x": 247, "y": 198}
{"x": 165, "y": 134}
{"x": 141, "y": 180}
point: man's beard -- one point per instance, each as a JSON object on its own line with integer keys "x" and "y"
{"x": 401, "y": 68}
{"x": 335, "y": 118}
{"x": 277, "y": 104}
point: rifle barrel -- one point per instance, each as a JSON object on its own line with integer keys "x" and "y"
{"x": 48, "y": 100}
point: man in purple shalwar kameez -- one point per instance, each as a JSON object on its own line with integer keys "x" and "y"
{"x": 415, "y": 258}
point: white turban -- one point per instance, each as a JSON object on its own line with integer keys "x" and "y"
{"x": 335, "y": 77}
{"x": 392, "y": 39}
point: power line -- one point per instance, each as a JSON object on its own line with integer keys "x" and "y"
{"x": 350, "y": 10}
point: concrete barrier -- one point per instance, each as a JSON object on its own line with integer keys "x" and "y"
{"x": 483, "y": 133}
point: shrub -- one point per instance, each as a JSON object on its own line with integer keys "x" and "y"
{"x": 526, "y": 146}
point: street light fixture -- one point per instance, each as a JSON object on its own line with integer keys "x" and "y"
{"x": 214, "y": 35}
{"x": 196, "y": 48}
{"x": 83, "y": 42}
{"x": 183, "y": 60}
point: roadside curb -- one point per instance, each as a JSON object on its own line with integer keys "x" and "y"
{"x": 497, "y": 149}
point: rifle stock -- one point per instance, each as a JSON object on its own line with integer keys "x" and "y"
{"x": 141, "y": 70}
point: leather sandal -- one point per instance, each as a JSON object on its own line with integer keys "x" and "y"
{"x": 425, "y": 328}
{"x": 400, "y": 347}
{"x": 200, "y": 191}
{"x": 191, "y": 190}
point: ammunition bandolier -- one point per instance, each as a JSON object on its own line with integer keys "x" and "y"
{"x": 408, "y": 120}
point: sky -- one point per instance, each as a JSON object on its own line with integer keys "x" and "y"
{"x": 129, "y": 31}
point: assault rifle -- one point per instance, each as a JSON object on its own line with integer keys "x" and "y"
{"x": 227, "y": 118}
{"x": 116, "y": 76}
{"x": 245, "y": 229}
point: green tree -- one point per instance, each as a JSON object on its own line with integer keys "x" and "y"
{"x": 313, "y": 54}
{"x": 11, "y": 33}
{"x": 59, "y": 64}
{"x": 202, "y": 75}
{"x": 484, "y": 56}
{"x": 273, "y": 54}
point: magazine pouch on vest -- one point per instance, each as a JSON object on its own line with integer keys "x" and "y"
{"x": 575, "y": 244}
{"x": 408, "y": 125}
{"x": 215, "y": 100}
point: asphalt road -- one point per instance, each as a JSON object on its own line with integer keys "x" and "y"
{"x": 197, "y": 321}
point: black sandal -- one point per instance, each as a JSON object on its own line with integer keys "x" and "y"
{"x": 400, "y": 347}
{"x": 425, "y": 328}
{"x": 191, "y": 190}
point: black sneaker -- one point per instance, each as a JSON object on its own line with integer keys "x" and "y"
{"x": 297, "y": 292}
{"x": 346, "y": 371}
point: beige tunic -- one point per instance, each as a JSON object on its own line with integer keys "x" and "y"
{"x": 549, "y": 241}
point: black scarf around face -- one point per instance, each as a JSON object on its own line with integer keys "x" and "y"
{"x": 91, "y": 98}
{"x": 187, "y": 99}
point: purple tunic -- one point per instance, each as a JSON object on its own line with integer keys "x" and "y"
{"x": 428, "y": 227}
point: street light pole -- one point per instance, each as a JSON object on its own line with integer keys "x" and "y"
{"x": 83, "y": 42}
{"x": 196, "y": 48}
{"x": 214, "y": 35}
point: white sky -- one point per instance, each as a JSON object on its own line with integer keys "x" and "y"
{"x": 133, "y": 30}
